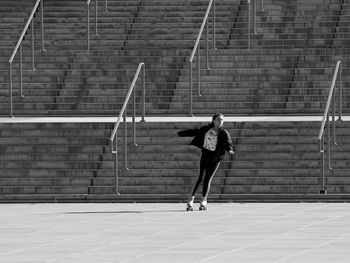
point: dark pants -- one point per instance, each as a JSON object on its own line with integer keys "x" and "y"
{"x": 207, "y": 168}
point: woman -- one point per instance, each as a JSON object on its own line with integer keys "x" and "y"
{"x": 213, "y": 140}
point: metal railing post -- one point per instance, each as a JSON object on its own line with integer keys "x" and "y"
{"x": 143, "y": 93}
{"x": 133, "y": 118}
{"x": 10, "y": 88}
{"x": 122, "y": 115}
{"x": 340, "y": 113}
{"x": 207, "y": 44}
{"x": 248, "y": 24}
{"x": 32, "y": 27}
{"x": 96, "y": 18}
{"x": 254, "y": 17}
{"x": 333, "y": 117}
{"x": 125, "y": 143}
{"x": 214, "y": 26}
{"x": 328, "y": 143}
{"x": 20, "y": 71}
{"x": 88, "y": 24}
{"x": 106, "y": 6}
{"x": 262, "y": 5}
{"x": 196, "y": 48}
{"x": 28, "y": 26}
{"x": 116, "y": 168}
{"x": 199, "y": 69}
{"x": 322, "y": 191}
{"x": 191, "y": 92}
{"x": 42, "y": 26}
{"x": 326, "y": 124}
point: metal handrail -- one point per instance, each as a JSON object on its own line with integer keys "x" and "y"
{"x": 88, "y": 22}
{"x": 325, "y": 121}
{"x": 196, "y": 48}
{"x": 254, "y": 18}
{"x": 19, "y": 47}
{"x": 123, "y": 113}
{"x": 96, "y": 20}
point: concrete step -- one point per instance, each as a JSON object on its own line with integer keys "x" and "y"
{"x": 26, "y": 157}
{"x": 280, "y": 156}
{"x": 38, "y": 190}
{"x": 35, "y": 182}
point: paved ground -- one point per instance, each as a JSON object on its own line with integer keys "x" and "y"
{"x": 227, "y": 232}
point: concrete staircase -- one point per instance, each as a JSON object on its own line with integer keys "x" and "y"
{"x": 291, "y": 24}
{"x": 269, "y": 79}
{"x": 288, "y": 71}
{"x": 264, "y": 82}
{"x": 273, "y": 161}
{"x": 13, "y": 17}
{"x": 62, "y": 82}
{"x": 276, "y": 161}
{"x": 48, "y": 161}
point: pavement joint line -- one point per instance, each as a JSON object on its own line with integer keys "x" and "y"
{"x": 313, "y": 248}
{"x": 71, "y": 255}
{"x": 56, "y": 242}
{"x": 183, "y": 243}
{"x": 320, "y": 245}
{"x": 251, "y": 212}
{"x": 274, "y": 236}
{"x": 31, "y": 213}
{"x": 78, "y": 253}
{"x": 220, "y": 233}
{"x": 114, "y": 244}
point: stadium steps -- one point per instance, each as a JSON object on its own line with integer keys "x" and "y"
{"x": 52, "y": 158}
{"x": 162, "y": 34}
{"x": 72, "y": 161}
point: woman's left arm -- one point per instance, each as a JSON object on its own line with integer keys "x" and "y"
{"x": 228, "y": 143}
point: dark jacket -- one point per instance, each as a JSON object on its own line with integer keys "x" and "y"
{"x": 224, "y": 139}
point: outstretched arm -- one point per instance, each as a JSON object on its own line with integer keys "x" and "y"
{"x": 188, "y": 133}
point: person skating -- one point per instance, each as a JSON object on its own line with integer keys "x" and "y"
{"x": 214, "y": 141}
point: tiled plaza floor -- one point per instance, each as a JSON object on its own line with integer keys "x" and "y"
{"x": 226, "y": 232}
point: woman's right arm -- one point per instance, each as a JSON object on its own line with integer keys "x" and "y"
{"x": 188, "y": 133}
